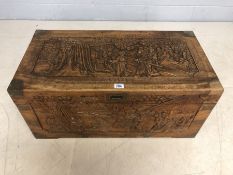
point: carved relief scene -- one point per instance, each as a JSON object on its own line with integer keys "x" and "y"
{"x": 92, "y": 113}
{"x": 114, "y": 57}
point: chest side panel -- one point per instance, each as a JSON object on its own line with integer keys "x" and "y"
{"x": 98, "y": 113}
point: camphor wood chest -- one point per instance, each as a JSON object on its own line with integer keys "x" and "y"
{"x": 114, "y": 84}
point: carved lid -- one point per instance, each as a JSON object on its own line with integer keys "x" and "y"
{"x": 140, "y": 60}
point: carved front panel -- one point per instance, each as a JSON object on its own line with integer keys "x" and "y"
{"x": 94, "y": 58}
{"x": 98, "y": 113}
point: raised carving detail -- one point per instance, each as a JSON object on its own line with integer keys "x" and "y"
{"x": 92, "y": 113}
{"x": 114, "y": 57}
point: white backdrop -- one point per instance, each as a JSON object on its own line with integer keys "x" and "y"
{"x": 136, "y": 10}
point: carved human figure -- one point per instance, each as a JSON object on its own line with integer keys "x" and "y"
{"x": 141, "y": 68}
{"x": 119, "y": 64}
{"x": 153, "y": 63}
{"x": 107, "y": 54}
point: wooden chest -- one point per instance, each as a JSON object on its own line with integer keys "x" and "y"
{"x": 114, "y": 84}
